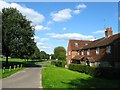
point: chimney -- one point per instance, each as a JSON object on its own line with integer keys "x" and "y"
{"x": 108, "y": 32}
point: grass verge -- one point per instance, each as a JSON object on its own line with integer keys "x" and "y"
{"x": 8, "y": 73}
{"x": 56, "y": 77}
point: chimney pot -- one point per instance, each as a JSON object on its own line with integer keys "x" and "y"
{"x": 108, "y": 32}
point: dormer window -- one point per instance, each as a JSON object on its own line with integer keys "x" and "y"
{"x": 97, "y": 50}
{"x": 76, "y": 44}
{"x": 82, "y": 53}
{"x": 88, "y": 52}
{"x": 108, "y": 49}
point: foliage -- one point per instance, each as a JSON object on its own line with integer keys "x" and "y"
{"x": 17, "y": 34}
{"x": 103, "y": 72}
{"x": 59, "y": 63}
{"x": 36, "y": 54}
{"x": 52, "y": 56}
{"x": 60, "y": 53}
{"x": 43, "y": 55}
{"x": 56, "y": 77}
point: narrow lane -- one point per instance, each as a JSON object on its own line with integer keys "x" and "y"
{"x": 28, "y": 78}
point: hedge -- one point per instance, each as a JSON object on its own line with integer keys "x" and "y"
{"x": 103, "y": 72}
{"x": 59, "y": 63}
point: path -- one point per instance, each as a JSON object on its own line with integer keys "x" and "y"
{"x": 28, "y": 78}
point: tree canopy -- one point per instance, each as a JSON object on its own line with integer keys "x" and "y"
{"x": 17, "y": 34}
{"x": 60, "y": 53}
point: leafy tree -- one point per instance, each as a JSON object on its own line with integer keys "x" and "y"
{"x": 36, "y": 54}
{"x": 60, "y": 53}
{"x": 43, "y": 55}
{"x": 52, "y": 56}
{"x": 17, "y": 34}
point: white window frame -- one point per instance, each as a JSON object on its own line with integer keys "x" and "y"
{"x": 69, "y": 53}
{"x": 76, "y": 44}
{"x": 108, "y": 49}
{"x": 78, "y": 53}
{"x": 82, "y": 52}
{"x": 88, "y": 52}
{"x": 97, "y": 50}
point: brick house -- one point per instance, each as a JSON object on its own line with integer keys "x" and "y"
{"x": 103, "y": 52}
{"x": 74, "y": 48}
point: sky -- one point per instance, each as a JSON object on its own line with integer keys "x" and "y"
{"x": 57, "y": 22}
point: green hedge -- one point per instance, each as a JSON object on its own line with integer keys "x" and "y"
{"x": 111, "y": 73}
{"x": 59, "y": 63}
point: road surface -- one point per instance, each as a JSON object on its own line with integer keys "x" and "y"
{"x": 28, "y": 78}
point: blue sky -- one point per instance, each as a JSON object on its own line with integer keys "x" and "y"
{"x": 57, "y": 22}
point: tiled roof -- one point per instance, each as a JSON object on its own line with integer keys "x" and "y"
{"x": 102, "y": 41}
{"x": 77, "y": 57}
{"x": 81, "y": 43}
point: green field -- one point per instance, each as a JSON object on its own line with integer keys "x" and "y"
{"x": 56, "y": 77}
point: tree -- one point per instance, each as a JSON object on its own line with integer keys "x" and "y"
{"x": 36, "y": 54}
{"x": 43, "y": 55}
{"x": 17, "y": 34}
{"x": 60, "y": 53}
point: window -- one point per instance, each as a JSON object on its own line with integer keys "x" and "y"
{"x": 97, "y": 50}
{"x": 82, "y": 53}
{"x": 76, "y": 44}
{"x": 86, "y": 44}
{"x": 108, "y": 49}
{"x": 69, "y": 53}
{"x": 78, "y": 53}
{"x": 88, "y": 52}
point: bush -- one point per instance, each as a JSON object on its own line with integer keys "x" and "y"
{"x": 59, "y": 63}
{"x": 103, "y": 72}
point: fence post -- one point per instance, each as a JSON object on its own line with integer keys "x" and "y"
{"x": 3, "y": 69}
{"x": 17, "y": 66}
{"x": 14, "y": 67}
{"x": 9, "y": 68}
{"x": 21, "y": 65}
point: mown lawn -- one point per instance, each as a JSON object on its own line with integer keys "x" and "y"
{"x": 55, "y": 77}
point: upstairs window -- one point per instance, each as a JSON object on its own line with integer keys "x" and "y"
{"x": 82, "y": 53}
{"x": 76, "y": 44}
{"x": 78, "y": 53}
{"x": 88, "y": 52}
{"x": 108, "y": 49}
{"x": 97, "y": 50}
{"x": 69, "y": 53}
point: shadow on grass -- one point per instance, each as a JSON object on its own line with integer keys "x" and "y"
{"x": 93, "y": 83}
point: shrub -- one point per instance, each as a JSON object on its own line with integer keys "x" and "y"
{"x": 103, "y": 72}
{"x": 59, "y": 63}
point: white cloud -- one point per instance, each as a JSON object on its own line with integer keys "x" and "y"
{"x": 62, "y": 15}
{"x": 39, "y": 40}
{"x": 64, "y": 28}
{"x": 76, "y": 11}
{"x": 49, "y": 22}
{"x": 66, "y": 14}
{"x": 81, "y": 6}
{"x": 67, "y": 36}
{"x": 41, "y": 28}
{"x": 30, "y": 14}
{"x": 99, "y": 32}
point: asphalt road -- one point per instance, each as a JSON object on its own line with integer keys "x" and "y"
{"x": 28, "y": 78}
